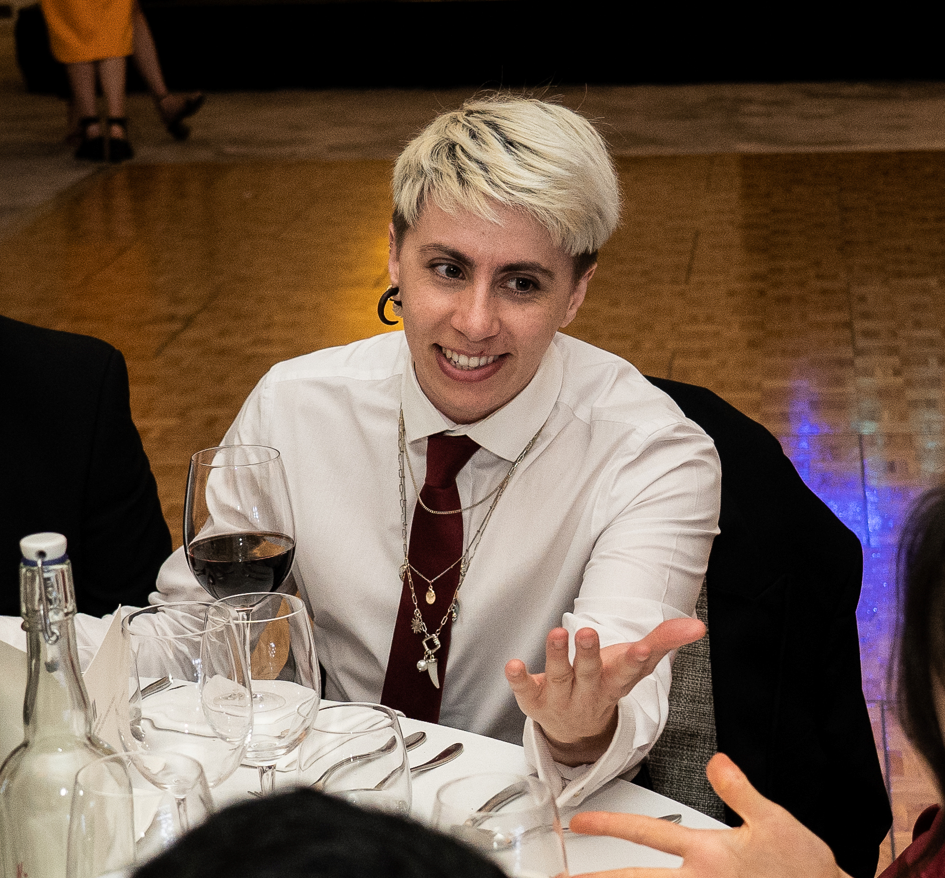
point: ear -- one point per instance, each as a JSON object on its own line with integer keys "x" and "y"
{"x": 393, "y": 257}
{"x": 577, "y": 295}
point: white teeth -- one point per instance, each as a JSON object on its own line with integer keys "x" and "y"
{"x": 461, "y": 361}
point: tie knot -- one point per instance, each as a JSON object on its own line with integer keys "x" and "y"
{"x": 446, "y": 456}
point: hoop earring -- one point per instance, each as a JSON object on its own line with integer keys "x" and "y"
{"x": 388, "y": 296}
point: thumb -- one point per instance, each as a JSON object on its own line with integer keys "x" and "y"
{"x": 734, "y": 788}
{"x": 672, "y": 634}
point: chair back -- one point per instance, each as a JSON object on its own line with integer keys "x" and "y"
{"x": 782, "y": 661}
{"x": 678, "y": 759}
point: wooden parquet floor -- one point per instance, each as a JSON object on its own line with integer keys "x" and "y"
{"x": 805, "y": 289}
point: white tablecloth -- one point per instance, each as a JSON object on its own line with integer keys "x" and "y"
{"x": 585, "y": 853}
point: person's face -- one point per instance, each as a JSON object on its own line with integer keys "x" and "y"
{"x": 481, "y": 304}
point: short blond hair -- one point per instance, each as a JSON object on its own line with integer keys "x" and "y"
{"x": 518, "y": 152}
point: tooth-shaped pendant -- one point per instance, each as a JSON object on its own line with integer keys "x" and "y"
{"x": 431, "y": 670}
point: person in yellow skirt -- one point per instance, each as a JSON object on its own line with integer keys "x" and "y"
{"x": 93, "y": 38}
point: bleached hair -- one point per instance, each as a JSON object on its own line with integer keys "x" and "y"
{"x": 518, "y": 152}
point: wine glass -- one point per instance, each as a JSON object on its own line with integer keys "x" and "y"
{"x": 521, "y": 832}
{"x": 189, "y": 689}
{"x": 239, "y": 532}
{"x": 119, "y": 818}
{"x": 356, "y": 751}
{"x": 284, "y": 673}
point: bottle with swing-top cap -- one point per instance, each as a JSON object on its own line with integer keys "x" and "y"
{"x": 36, "y": 779}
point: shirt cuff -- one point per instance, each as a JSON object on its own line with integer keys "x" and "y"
{"x": 570, "y": 785}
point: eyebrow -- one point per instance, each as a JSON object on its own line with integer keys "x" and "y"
{"x": 462, "y": 259}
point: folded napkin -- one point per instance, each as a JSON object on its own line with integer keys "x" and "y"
{"x": 12, "y": 690}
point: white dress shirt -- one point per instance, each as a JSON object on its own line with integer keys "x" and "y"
{"x": 607, "y": 523}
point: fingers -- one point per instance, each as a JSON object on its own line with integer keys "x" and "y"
{"x": 520, "y": 681}
{"x": 558, "y": 669}
{"x": 554, "y": 687}
{"x": 607, "y": 674}
{"x": 649, "y": 831}
{"x": 735, "y": 789}
{"x": 588, "y": 664}
{"x": 643, "y": 656}
{"x": 672, "y": 634}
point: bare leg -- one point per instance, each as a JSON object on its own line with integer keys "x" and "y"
{"x": 82, "y": 83}
{"x": 91, "y": 143}
{"x": 146, "y": 57}
{"x": 111, "y": 73}
{"x": 172, "y": 108}
{"x": 73, "y": 128}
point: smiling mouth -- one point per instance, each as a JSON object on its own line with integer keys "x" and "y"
{"x": 466, "y": 363}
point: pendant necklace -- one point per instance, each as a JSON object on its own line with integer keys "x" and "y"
{"x": 431, "y": 642}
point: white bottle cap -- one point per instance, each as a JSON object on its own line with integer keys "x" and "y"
{"x": 53, "y": 545}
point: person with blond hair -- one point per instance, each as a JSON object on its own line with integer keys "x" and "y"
{"x": 499, "y": 527}
{"x": 587, "y": 503}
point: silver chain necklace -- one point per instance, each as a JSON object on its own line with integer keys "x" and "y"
{"x": 431, "y": 642}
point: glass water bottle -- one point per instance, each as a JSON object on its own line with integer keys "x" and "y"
{"x": 37, "y": 777}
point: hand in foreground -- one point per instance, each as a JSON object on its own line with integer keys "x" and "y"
{"x": 770, "y": 842}
{"x": 576, "y": 705}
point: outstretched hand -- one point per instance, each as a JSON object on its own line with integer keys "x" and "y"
{"x": 770, "y": 842}
{"x": 576, "y": 705}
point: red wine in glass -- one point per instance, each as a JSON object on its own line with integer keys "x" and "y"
{"x": 236, "y": 563}
{"x": 239, "y": 532}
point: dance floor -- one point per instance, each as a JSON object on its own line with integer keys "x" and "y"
{"x": 806, "y": 289}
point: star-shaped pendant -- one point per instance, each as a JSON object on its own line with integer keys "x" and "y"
{"x": 416, "y": 624}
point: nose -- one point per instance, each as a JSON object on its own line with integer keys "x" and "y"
{"x": 474, "y": 313}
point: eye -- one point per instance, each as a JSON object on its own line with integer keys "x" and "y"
{"x": 521, "y": 285}
{"x": 448, "y": 270}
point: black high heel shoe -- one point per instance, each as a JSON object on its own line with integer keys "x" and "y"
{"x": 119, "y": 149}
{"x": 174, "y": 120}
{"x": 91, "y": 149}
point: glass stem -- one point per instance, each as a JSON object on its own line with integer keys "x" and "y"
{"x": 267, "y": 778}
{"x": 181, "y": 802}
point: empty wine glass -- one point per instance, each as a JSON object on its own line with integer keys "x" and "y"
{"x": 356, "y": 751}
{"x": 189, "y": 689}
{"x": 520, "y": 829}
{"x": 120, "y": 819}
{"x": 239, "y": 532}
{"x": 284, "y": 672}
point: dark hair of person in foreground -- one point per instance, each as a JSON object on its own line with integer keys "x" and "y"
{"x": 306, "y": 834}
{"x": 920, "y": 638}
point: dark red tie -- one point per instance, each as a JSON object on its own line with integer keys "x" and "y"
{"x": 436, "y": 541}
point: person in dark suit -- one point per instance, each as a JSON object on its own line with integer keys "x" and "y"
{"x": 783, "y": 582}
{"x": 71, "y": 461}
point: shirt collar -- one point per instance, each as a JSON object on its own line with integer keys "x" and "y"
{"x": 505, "y": 432}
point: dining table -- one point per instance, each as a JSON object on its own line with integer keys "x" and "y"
{"x": 481, "y": 754}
